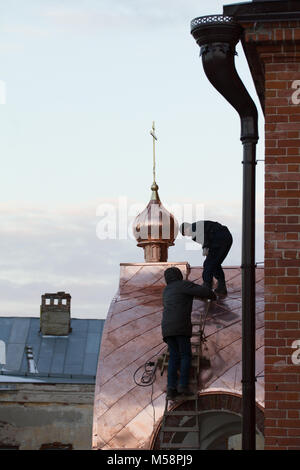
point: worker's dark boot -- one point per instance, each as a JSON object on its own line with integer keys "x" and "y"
{"x": 171, "y": 393}
{"x": 221, "y": 288}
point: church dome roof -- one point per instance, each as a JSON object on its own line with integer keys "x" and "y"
{"x": 155, "y": 223}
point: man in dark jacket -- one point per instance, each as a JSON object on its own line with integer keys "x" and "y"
{"x": 177, "y": 327}
{"x": 216, "y": 241}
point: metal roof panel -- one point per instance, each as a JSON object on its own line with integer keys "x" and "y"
{"x": 93, "y": 343}
{"x": 5, "y": 328}
{"x": 90, "y": 364}
{"x": 19, "y": 330}
{"x": 14, "y": 356}
{"x": 76, "y": 354}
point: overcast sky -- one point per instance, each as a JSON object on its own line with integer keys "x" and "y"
{"x": 84, "y": 80}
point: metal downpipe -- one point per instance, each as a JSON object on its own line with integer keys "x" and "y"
{"x": 217, "y": 36}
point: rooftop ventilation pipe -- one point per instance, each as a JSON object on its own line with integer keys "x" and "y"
{"x": 217, "y": 37}
{"x": 30, "y": 360}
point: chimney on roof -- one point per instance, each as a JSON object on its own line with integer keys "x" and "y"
{"x": 55, "y": 316}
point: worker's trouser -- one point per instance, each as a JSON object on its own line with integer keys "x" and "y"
{"x": 180, "y": 359}
{"x": 218, "y": 250}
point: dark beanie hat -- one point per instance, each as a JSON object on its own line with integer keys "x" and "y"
{"x": 173, "y": 274}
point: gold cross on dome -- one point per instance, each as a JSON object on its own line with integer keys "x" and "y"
{"x": 154, "y": 139}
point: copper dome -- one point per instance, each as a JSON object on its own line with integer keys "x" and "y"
{"x": 155, "y": 229}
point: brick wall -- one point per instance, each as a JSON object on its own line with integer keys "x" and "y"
{"x": 277, "y": 46}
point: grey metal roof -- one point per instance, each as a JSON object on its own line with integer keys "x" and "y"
{"x": 67, "y": 359}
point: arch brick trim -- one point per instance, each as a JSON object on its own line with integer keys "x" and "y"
{"x": 209, "y": 401}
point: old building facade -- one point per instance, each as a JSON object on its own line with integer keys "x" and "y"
{"x": 47, "y": 378}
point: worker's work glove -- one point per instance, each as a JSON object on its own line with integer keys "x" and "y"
{"x": 205, "y": 251}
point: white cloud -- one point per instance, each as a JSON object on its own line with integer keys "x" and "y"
{"x": 52, "y": 250}
{"x": 24, "y": 29}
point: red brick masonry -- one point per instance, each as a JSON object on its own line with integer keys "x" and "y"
{"x": 277, "y": 49}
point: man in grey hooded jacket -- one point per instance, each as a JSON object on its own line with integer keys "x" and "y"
{"x": 177, "y": 327}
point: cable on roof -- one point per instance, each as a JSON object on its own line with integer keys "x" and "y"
{"x": 148, "y": 376}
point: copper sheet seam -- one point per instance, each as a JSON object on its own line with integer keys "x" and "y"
{"x": 201, "y": 359}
